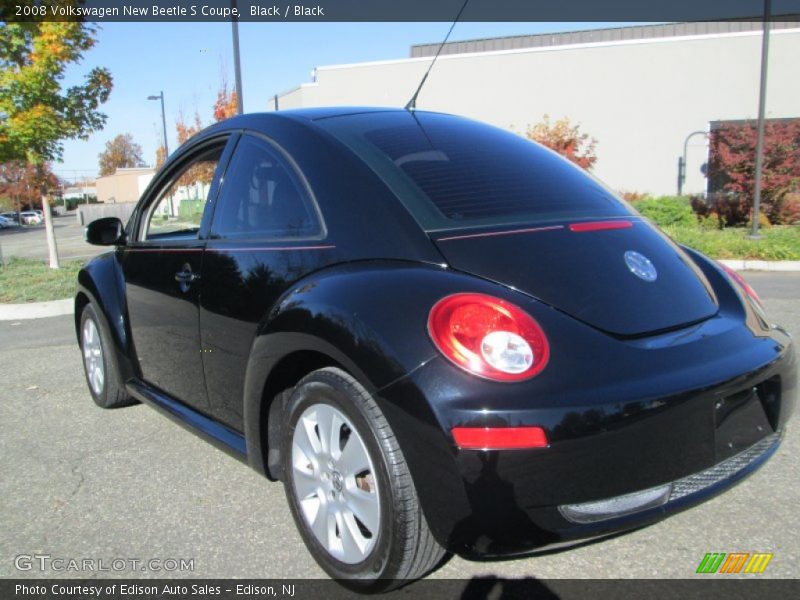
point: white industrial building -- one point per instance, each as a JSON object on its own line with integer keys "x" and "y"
{"x": 640, "y": 91}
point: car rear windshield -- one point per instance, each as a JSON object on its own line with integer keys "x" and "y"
{"x": 452, "y": 172}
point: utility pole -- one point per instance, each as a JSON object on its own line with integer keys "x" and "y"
{"x": 237, "y": 66}
{"x": 762, "y": 97}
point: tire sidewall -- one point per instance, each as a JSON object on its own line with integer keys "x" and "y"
{"x": 330, "y": 389}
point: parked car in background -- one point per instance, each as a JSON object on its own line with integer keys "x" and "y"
{"x": 438, "y": 335}
{"x": 30, "y": 217}
{"x": 11, "y": 215}
{"x": 6, "y": 223}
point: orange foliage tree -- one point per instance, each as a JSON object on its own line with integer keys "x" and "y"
{"x": 566, "y": 139}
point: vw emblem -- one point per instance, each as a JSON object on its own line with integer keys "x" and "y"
{"x": 640, "y": 265}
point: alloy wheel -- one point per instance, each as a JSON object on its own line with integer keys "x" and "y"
{"x": 93, "y": 356}
{"x": 335, "y": 483}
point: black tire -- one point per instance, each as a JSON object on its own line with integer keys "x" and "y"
{"x": 404, "y": 549}
{"x": 112, "y": 393}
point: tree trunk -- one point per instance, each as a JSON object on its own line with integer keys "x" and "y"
{"x": 51, "y": 236}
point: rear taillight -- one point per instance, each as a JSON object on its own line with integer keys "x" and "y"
{"x": 742, "y": 284}
{"x": 488, "y": 337}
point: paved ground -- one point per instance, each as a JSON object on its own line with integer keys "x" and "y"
{"x": 30, "y": 242}
{"x": 79, "y": 482}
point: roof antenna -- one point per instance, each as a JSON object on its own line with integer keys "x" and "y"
{"x": 412, "y": 104}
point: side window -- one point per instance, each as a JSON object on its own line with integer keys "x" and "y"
{"x": 177, "y": 211}
{"x": 262, "y": 196}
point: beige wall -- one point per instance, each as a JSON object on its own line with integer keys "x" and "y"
{"x": 639, "y": 98}
{"x": 126, "y": 185}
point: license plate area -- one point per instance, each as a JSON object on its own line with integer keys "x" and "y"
{"x": 740, "y": 421}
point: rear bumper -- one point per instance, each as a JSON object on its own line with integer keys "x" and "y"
{"x": 692, "y": 443}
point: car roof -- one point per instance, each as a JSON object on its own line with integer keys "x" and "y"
{"x": 302, "y": 115}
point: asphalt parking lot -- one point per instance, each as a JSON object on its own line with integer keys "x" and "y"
{"x": 80, "y": 482}
{"x": 30, "y": 242}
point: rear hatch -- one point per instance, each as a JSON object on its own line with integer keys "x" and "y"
{"x": 479, "y": 192}
{"x": 586, "y": 275}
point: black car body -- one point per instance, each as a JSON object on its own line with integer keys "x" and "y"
{"x": 659, "y": 381}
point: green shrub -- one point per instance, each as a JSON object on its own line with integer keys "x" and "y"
{"x": 667, "y": 211}
{"x": 777, "y": 243}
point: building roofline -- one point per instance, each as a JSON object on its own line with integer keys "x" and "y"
{"x": 560, "y": 48}
{"x": 607, "y": 34}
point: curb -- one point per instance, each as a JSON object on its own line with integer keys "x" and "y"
{"x": 762, "y": 265}
{"x": 55, "y": 308}
{"x": 36, "y": 310}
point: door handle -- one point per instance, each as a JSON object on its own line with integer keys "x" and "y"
{"x": 186, "y": 277}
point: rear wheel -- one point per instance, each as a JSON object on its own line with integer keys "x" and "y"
{"x": 349, "y": 488}
{"x": 102, "y": 373}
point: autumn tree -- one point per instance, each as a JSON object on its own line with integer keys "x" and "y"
{"x": 21, "y": 183}
{"x": 566, "y": 139}
{"x": 36, "y": 113}
{"x": 202, "y": 171}
{"x": 227, "y": 103}
{"x": 732, "y": 150}
{"x": 120, "y": 153}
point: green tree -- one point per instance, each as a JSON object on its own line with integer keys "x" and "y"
{"x": 120, "y": 153}
{"x": 36, "y": 112}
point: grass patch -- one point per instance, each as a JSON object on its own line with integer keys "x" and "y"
{"x": 25, "y": 280}
{"x": 777, "y": 243}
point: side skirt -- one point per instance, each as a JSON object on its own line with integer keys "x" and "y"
{"x": 210, "y": 430}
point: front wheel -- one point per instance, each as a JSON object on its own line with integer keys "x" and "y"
{"x": 349, "y": 488}
{"x": 102, "y": 373}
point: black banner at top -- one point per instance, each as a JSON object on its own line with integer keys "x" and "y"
{"x": 393, "y": 10}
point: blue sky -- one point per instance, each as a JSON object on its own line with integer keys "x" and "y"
{"x": 187, "y": 62}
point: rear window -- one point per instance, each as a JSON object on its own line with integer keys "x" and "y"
{"x": 451, "y": 172}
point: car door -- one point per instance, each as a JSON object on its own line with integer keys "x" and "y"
{"x": 161, "y": 263}
{"x": 267, "y": 233}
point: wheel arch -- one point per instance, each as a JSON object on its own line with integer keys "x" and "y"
{"x": 269, "y": 376}
{"x": 100, "y": 282}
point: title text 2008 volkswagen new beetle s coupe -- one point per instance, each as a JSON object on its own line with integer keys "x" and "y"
{"x": 439, "y": 335}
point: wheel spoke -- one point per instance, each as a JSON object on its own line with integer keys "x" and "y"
{"x": 325, "y": 419}
{"x": 322, "y": 525}
{"x": 353, "y": 459}
{"x": 335, "y": 434}
{"x": 305, "y": 482}
{"x": 365, "y": 507}
{"x": 353, "y": 542}
{"x": 308, "y": 441}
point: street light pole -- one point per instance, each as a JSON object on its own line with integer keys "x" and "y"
{"x": 237, "y": 66}
{"x": 762, "y": 96}
{"x": 163, "y": 120}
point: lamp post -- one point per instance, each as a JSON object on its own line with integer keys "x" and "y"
{"x": 163, "y": 120}
{"x": 762, "y": 98}
{"x": 682, "y": 160}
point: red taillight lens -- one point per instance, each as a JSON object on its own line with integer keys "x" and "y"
{"x": 499, "y": 438}
{"x": 742, "y": 283}
{"x": 489, "y": 337}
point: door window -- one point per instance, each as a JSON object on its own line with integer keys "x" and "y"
{"x": 264, "y": 197}
{"x": 178, "y": 210}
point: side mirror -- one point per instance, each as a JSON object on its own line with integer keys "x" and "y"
{"x": 108, "y": 231}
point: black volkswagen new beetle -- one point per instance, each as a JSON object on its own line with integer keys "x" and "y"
{"x": 438, "y": 335}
